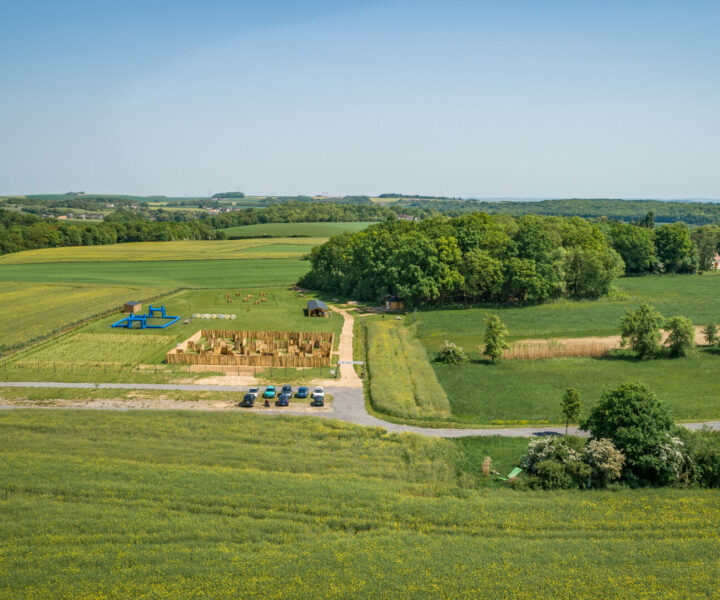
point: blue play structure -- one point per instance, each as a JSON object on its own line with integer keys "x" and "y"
{"x": 156, "y": 313}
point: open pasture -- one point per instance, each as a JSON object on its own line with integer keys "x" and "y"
{"x": 171, "y": 274}
{"x": 530, "y": 391}
{"x": 693, "y": 296}
{"x": 167, "y": 251}
{"x": 35, "y": 310}
{"x": 310, "y": 230}
{"x": 168, "y": 505}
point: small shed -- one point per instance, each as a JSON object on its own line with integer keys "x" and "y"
{"x": 132, "y": 307}
{"x": 394, "y": 303}
{"x": 317, "y": 308}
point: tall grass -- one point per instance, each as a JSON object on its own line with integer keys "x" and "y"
{"x": 402, "y": 383}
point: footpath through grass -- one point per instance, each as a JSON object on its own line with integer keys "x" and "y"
{"x": 177, "y": 505}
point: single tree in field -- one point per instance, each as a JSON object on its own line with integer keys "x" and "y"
{"x": 495, "y": 332}
{"x": 711, "y": 334}
{"x": 571, "y": 406}
{"x": 641, "y": 330}
{"x": 681, "y": 336}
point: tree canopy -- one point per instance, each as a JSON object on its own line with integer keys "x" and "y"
{"x": 472, "y": 258}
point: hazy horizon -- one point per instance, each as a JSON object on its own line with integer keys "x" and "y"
{"x": 473, "y": 99}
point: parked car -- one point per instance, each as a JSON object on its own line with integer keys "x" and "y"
{"x": 286, "y": 388}
{"x": 269, "y": 392}
{"x": 302, "y": 392}
{"x": 255, "y": 392}
{"x": 318, "y": 397}
{"x": 283, "y": 399}
{"x": 247, "y": 401}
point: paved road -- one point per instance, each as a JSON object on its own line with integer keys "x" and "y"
{"x": 348, "y": 405}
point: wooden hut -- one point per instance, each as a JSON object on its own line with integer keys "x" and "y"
{"x": 132, "y": 307}
{"x": 317, "y": 308}
{"x": 394, "y": 303}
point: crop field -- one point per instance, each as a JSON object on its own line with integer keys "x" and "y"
{"x": 100, "y": 346}
{"x": 167, "y": 251}
{"x": 693, "y": 296}
{"x": 402, "y": 383}
{"x": 312, "y": 230}
{"x": 171, "y": 274}
{"x": 168, "y": 505}
{"x": 32, "y": 311}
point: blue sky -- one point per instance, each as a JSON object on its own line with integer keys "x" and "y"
{"x": 468, "y": 98}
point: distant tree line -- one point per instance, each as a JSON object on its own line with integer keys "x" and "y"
{"x": 20, "y": 231}
{"x": 476, "y": 258}
{"x": 693, "y": 213}
{"x": 298, "y": 212}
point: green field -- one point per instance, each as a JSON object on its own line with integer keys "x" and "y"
{"x": 693, "y": 296}
{"x": 401, "y": 383}
{"x": 193, "y": 505}
{"x": 34, "y": 310}
{"x": 167, "y": 251}
{"x": 530, "y": 391}
{"x": 173, "y": 274}
{"x": 98, "y": 346}
{"x": 312, "y": 230}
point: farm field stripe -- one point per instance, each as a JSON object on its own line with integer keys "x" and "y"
{"x": 348, "y": 406}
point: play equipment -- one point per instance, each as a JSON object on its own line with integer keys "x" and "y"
{"x": 142, "y": 320}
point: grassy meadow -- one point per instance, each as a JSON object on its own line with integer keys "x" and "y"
{"x": 196, "y": 505}
{"x": 401, "y": 382}
{"x": 693, "y": 296}
{"x": 311, "y": 230}
{"x": 529, "y": 391}
{"x": 34, "y": 310}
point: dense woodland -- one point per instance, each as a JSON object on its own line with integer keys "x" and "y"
{"x": 476, "y": 258}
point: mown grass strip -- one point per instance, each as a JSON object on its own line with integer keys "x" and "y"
{"x": 402, "y": 383}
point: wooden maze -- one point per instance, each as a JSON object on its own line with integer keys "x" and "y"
{"x": 254, "y": 349}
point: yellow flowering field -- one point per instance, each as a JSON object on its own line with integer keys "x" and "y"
{"x": 174, "y": 505}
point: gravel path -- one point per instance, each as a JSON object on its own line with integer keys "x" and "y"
{"x": 348, "y": 405}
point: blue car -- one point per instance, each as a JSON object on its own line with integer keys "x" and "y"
{"x": 302, "y": 392}
{"x": 269, "y": 392}
{"x": 248, "y": 401}
{"x": 286, "y": 389}
{"x": 283, "y": 399}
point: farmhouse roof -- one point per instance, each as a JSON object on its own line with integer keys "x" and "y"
{"x": 313, "y": 304}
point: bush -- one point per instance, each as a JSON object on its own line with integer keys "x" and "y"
{"x": 451, "y": 354}
{"x": 638, "y": 425}
{"x": 681, "y": 338}
{"x": 641, "y": 331}
{"x": 605, "y": 461}
{"x": 703, "y": 449}
{"x": 563, "y": 450}
{"x": 553, "y": 475}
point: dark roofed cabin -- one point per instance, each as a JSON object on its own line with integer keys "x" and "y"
{"x": 317, "y": 308}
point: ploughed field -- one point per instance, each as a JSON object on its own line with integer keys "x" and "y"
{"x": 168, "y": 505}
